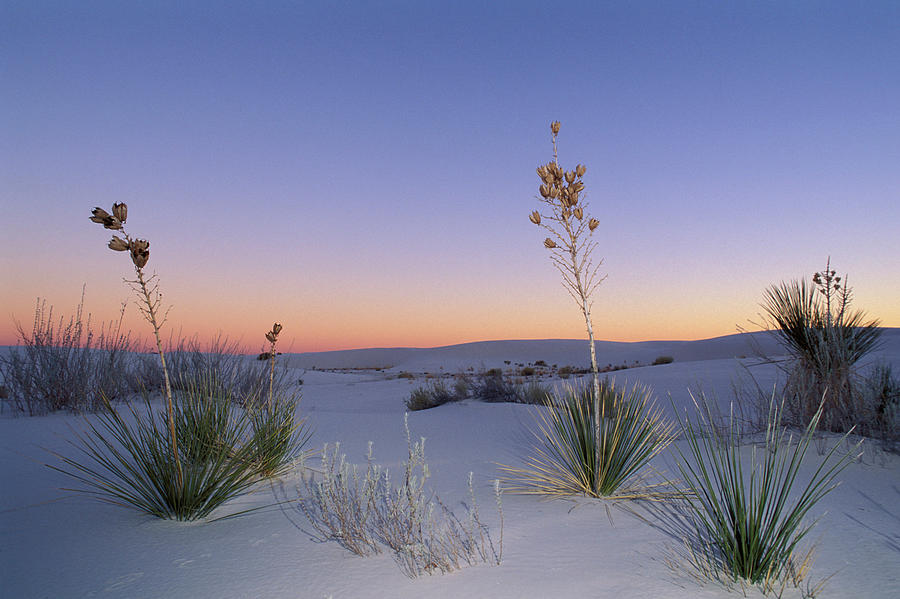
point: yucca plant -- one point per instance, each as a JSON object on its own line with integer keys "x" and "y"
{"x": 569, "y": 457}
{"x": 748, "y": 520}
{"x": 206, "y": 417}
{"x": 128, "y": 462}
{"x": 223, "y": 450}
{"x": 571, "y": 243}
{"x": 826, "y": 340}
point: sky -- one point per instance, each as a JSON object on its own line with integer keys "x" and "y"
{"x": 362, "y": 172}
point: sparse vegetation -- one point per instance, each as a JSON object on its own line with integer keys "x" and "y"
{"x": 362, "y": 509}
{"x": 221, "y": 360}
{"x": 663, "y": 360}
{"x": 826, "y": 341}
{"x": 277, "y": 435}
{"x": 66, "y": 365}
{"x": 489, "y": 386}
{"x": 564, "y": 460}
{"x": 493, "y": 387}
{"x": 223, "y": 450}
{"x": 127, "y": 461}
{"x": 433, "y": 394}
{"x": 747, "y": 525}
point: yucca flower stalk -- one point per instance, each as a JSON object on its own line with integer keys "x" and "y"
{"x": 150, "y": 300}
{"x": 272, "y": 338}
{"x": 571, "y": 245}
{"x": 277, "y": 435}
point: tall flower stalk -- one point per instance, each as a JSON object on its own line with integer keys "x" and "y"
{"x": 272, "y": 338}
{"x": 150, "y": 300}
{"x": 571, "y": 246}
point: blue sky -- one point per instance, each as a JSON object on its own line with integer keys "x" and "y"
{"x": 365, "y": 170}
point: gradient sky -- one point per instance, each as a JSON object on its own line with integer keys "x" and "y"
{"x": 362, "y": 172}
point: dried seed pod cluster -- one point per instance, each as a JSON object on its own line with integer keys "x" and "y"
{"x": 272, "y": 335}
{"x": 556, "y": 183}
{"x": 570, "y": 242}
{"x": 561, "y": 189}
{"x": 138, "y": 248}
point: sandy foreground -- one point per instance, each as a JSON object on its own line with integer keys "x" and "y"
{"x": 55, "y": 544}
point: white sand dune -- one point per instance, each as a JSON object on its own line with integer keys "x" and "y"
{"x": 562, "y": 352}
{"x": 57, "y": 545}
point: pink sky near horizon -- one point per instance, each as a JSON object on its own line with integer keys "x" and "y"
{"x": 375, "y": 192}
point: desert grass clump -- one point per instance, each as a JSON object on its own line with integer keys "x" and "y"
{"x": 363, "y": 510}
{"x": 221, "y": 358}
{"x": 825, "y": 340}
{"x": 748, "y": 516}
{"x": 569, "y": 458}
{"x": 432, "y": 394}
{"x": 68, "y": 365}
{"x": 533, "y": 393}
{"x": 571, "y": 244}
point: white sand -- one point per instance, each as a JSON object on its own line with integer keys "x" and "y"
{"x": 58, "y": 545}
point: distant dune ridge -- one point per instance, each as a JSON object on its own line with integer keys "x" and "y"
{"x": 562, "y": 352}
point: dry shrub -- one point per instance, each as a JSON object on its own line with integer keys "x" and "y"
{"x": 67, "y": 365}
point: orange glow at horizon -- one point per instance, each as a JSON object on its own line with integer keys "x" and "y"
{"x": 335, "y": 325}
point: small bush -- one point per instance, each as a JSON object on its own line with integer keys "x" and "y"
{"x": 564, "y": 459}
{"x": 533, "y": 393}
{"x": 462, "y": 385}
{"x": 746, "y": 526}
{"x": 67, "y": 365}
{"x": 406, "y": 375}
{"x": 363, "y": 510}
{"x": 434, "y": 393}
{"x": 527, "y": 371}
{"x": 494, "y": 388}
{"x": 663, "y": 360}
{"x": 883, "y": 389}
